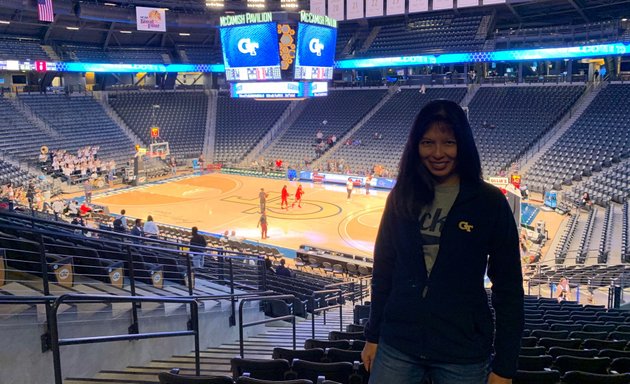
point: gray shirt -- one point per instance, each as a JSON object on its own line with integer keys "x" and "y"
{"x": 432, "y": 220}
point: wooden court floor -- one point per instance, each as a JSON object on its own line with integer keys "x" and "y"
{"x": 218, "y": 202}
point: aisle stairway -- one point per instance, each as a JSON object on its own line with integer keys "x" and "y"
{"x": 216, "y": 361}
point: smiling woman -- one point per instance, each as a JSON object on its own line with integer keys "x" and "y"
{"x": 418, "y": 328}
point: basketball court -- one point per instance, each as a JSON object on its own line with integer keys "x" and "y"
{"x": 219, "y": 202}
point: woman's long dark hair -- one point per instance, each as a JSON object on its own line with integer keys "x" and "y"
{"x": 415, "y": 184}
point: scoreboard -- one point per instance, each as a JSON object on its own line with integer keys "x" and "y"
{"x": 315, "y": 53}
{"x": 296, "y": 51}
{"x": 253, "y": 52}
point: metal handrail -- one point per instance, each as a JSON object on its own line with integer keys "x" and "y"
{"x": 327, "y": 308}
{"x": 242, "y": 325}
{"x": 57, "y": 342}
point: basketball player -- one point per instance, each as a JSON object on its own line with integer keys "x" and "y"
{"x": 262, "y": 196}
{"x": 262, "y": 224}
{"x": 298, "y": 196}
{"x": 284, "y": 198}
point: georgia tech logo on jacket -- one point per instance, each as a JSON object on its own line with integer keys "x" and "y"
{"x": 465, "y": 226}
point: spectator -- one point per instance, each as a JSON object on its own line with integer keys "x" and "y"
{"x": 119, "y": 226}
{"x": 201, "y": 161}
{"x": 281, "y": 270}
{"x": 433, "y": 220}
{"x": 268, "y": 264}
{"x": 123, "y": 218}
{"x": 137, "y": 229}
{"x": 198, "y": 245}
{"x": 87, "y": 189}
{"x": 226, "y": 237}
{"x": 73, "y": 208}
{"x": 586, "y": 200}
{"x": 173, "y": 164}
{"x": 58, "y": 207}
{"x": 151, "y": 229}
{"x": 84, "y": 209}
{"x": 30, "y": 194}
{"x": 319, "y": 136}
{"x": 563, "y": 291}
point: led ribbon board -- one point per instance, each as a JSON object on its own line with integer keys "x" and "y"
{"x": 43, "y": 66}
{"x": 615, "y": 49}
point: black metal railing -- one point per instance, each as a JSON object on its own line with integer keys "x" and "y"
{"x": 326, "y": 296}
{"x": 276, "y": 298}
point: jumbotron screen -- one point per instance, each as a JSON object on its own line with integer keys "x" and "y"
{"x": 315, "y": 53}
{"x": 251, "y": 52}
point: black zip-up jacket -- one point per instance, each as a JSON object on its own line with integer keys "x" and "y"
{"x": 447, "y": 317}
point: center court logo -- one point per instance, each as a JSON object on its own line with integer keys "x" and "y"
{"x": 315, "y": 46}
{"x": 247, "y": 46}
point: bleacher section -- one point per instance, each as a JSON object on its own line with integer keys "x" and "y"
{"x": 81, "y": 121}
{"x": 507, "y": 121}
{"x": 573, "y": 342}
{"x": 21, "y": 139}
{"x": 599, "y": 138}
{"x": 240, "y": 124}
{"x": 91, "y": 54}
{"x": 559, "y": 36}
{"x": 181, "y": 117}
{"x": 335, "y": 114}
{"x": 435, "y": 33}
{"x": 612, "y": 184}
{"x": 21, "y": 49}
{"x": 393, "y": 121}
{"x": 596, "y": 276}
{"x": 9, "y": 173}
{"x": 202, "y": 55}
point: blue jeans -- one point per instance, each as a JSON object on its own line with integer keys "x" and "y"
{"x": 393, "y": 366}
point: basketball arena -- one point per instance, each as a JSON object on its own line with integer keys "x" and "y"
{"x": 191, "y": 191}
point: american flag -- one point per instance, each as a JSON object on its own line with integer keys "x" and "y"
{"x": 45, "y": 10}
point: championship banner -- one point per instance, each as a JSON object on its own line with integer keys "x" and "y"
{"x": 373, "y": 8}
{"x": 488, "y": 2}
{"x": 467, "y": 3}
{"x": 395, "y": 7}
{"x": 318, "y": 7}
{"x": 336, "y": 9}
{"x": 418, "y": 6}
{"x": 442, "y": 4}
{"x": 354, "y": 9}
{"x": 151, "y": 19}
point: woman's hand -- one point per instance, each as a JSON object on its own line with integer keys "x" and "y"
{"x": 493, "y": 378}
{"x": 368, "y": 354}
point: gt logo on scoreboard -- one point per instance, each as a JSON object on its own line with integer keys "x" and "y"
{"x": 316, "y": 47}
{"x": 247, "y": 46}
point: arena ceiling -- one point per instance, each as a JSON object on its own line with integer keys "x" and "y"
{"x": 112, "y": 22}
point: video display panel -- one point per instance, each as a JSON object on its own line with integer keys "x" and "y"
{"x": 250, "y": 52}
{"x": 315, "y": 52}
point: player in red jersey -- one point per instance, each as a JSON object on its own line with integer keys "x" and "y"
{"x": 284, "y": 195}
{"x": 298, "y": 197}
